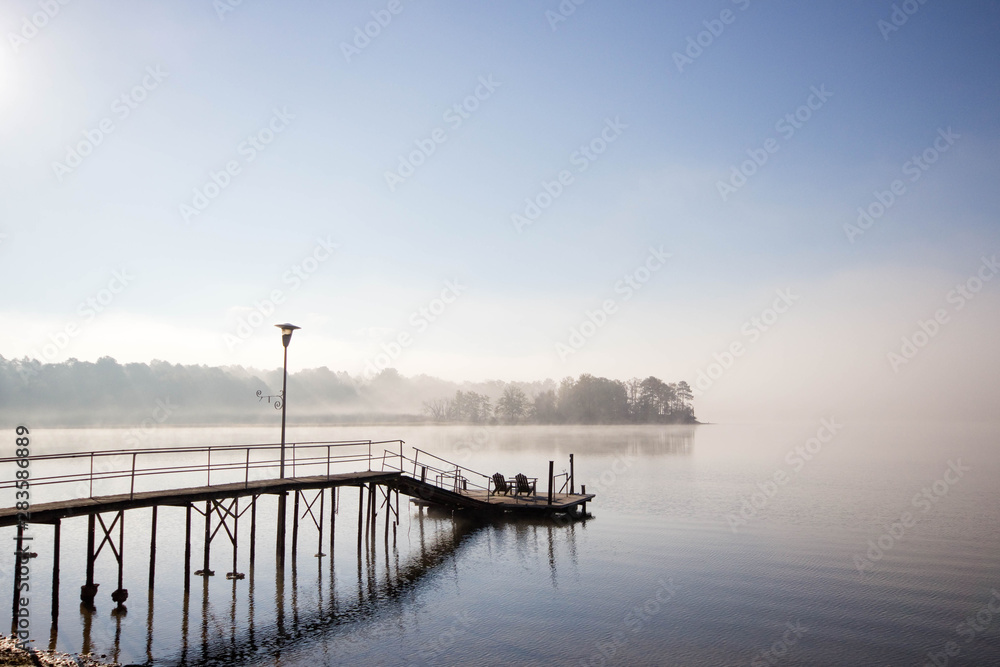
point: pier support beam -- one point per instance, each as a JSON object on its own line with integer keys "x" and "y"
{"x": 89, "y": 590}
{"x": 16, "y": 605}
{"x": 205, "y": 570}
{"x": 361, "y": 512}
{"x": 187, "y": 552}
{"x": 253, "y": 531}
{"x": 152, "y": 549}
{"x": 295, "y": 525}
{"x": 279, "y": 544}
{"x": 56, "y": 542}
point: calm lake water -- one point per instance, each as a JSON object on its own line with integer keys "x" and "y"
{"x": 768, "y": 544}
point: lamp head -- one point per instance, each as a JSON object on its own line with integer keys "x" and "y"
{"x": 286, "y": 332}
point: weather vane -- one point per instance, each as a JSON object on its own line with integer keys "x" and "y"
{"x": 277, "y": 398}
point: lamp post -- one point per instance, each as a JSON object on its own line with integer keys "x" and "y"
{"x": 286, "y": 337}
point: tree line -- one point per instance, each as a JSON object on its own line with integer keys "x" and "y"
{"x": 106, "y": 392}
{"x": 586, "y": 400}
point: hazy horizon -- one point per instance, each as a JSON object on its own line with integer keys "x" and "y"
{"x": 791, "y": 207}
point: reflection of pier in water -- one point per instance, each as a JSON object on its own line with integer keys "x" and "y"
{"x": 227, "y": 481}
{"x": 381, "y": 582}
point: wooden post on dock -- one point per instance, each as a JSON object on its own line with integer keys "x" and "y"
{"x": 550, "y": 481}
{"x": 583, "y": 507}
{"x": 56, "y": 540}
{"x": 572, "y": 477}
{"x": 152, "y": 549}
{"x": 187, "y": 552}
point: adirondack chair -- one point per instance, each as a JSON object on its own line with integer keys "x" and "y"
{"x": 500, "y": 484}
{"x": 525, "y": 486}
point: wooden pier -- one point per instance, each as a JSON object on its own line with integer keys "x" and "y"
{"x": 221, "y": 484}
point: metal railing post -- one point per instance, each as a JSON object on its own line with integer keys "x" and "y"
{"x": 92, "y": 474}
{"x": 246, "y": 477}
{"x": 328, "y": 461}
{"x": 209, "y": 467}
{"x": 131, "y": 493}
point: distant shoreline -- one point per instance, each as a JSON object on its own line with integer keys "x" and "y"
{"x": 401, "y": 421}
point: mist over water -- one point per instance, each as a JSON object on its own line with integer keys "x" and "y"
{"x": 823, "y": 543}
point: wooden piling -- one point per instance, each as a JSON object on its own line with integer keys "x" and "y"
{"x": 187, "y": 551}
{"x": 236, "y": 539}
{"x": 208, "y": 538}
{"x": 121, "y": 558}
{"x": 253, "y": 531}
{"x": 295, "y": 526}
{"x": 56, "y": 541}
{"x": 333, "y": 518}
{"x": 388, "y": 513}
{"x": 152, "y": 549}
{"x": 572, "y": 477}
{"x": 89, "y": 592}
{"x": 551, "y": 463}
{"x": 279, "y": 543}
{"x": 319, "y": 524}
{"x": 361, "y": 512}
{"x": 16, "y": 605}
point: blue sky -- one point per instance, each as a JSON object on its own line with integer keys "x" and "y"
{"x": 222, "y": 76}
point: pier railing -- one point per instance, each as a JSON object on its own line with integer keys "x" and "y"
{"x": 435, "y": 470}
{"x": 131, "y": 471}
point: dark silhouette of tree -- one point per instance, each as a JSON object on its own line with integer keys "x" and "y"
{"x": 512, "y": 406}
